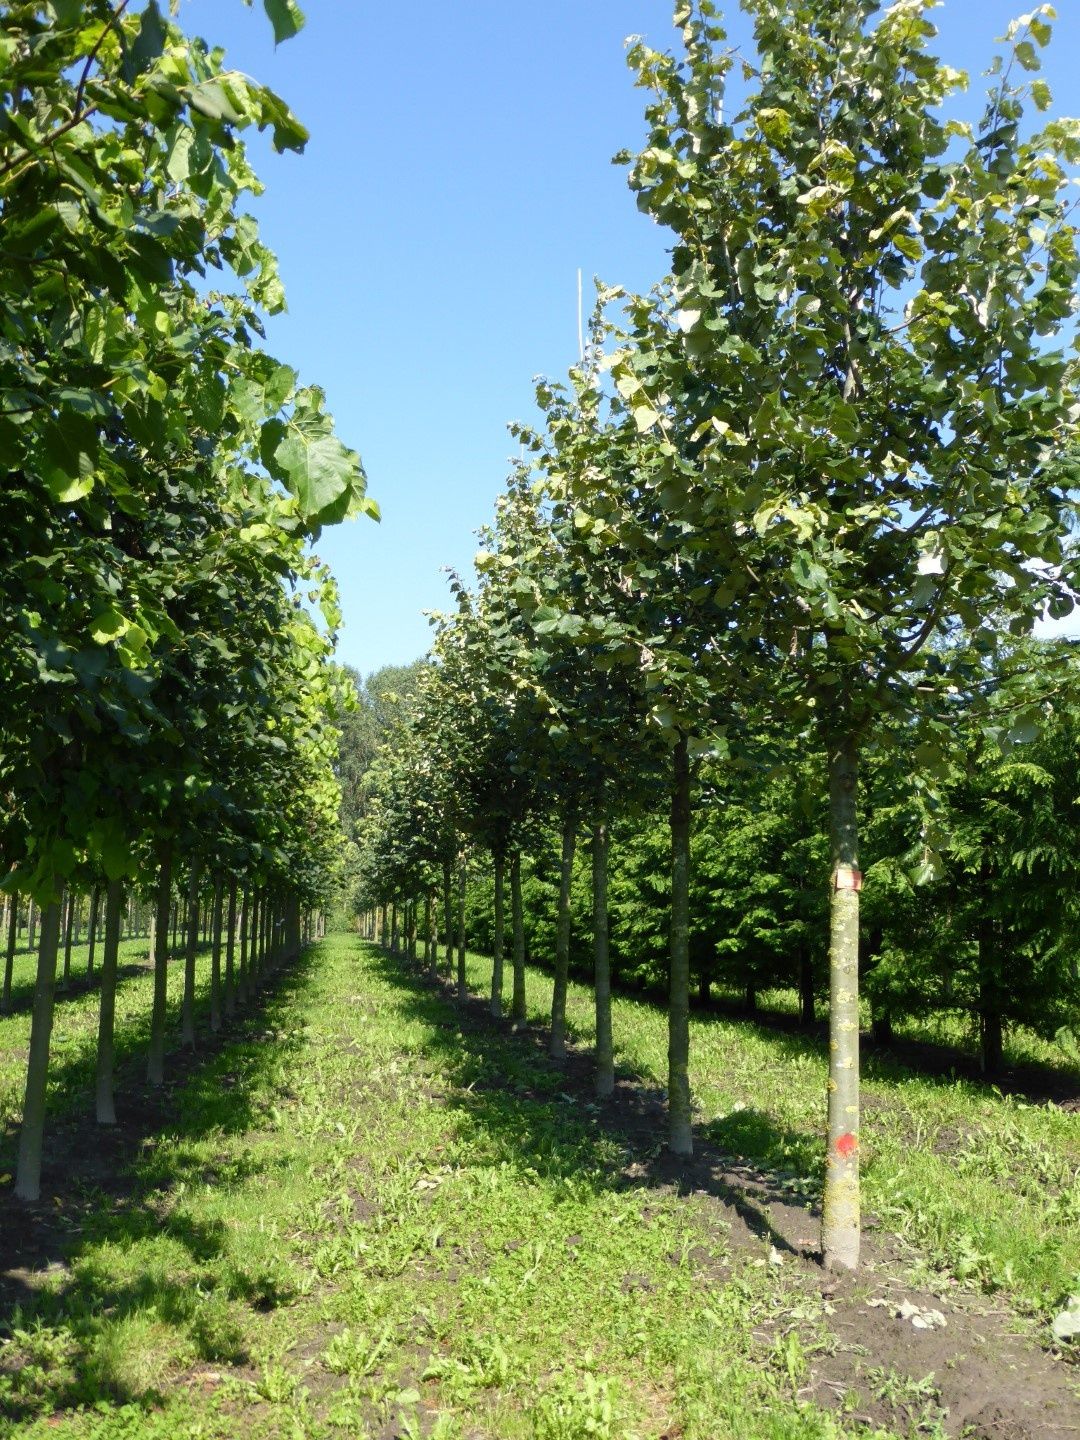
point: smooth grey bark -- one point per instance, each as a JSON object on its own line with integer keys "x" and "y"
{"x": 69, "y": 926}
{"x": 462, "y": 978}
{"x": 518, "y": 1006}
{"x": 31, "y": 925}
{"x": 9, "y": 951}
{"x": 91, "y": 933}
{"x": 840, "y": 1204}
{"x": 680, "y": 1133}
{"x": 499, "y": 859}
{"x": 32, "y": 1133}
{"x": 605, "y": 1051}
{"x": 215, "y": 958}
{"x": 254, "y": 949}
{"x": 394, "y": 928}
{"x": 105, "y": 1103}
{"x": 245, "y": 926}
{"x": 448, "y": 914}
{"x": 431, "y": 948}
{"x": 191, "y": 945}
{"x": 155, "y": 1065}
{"x": 557, "y": 1043}
{"x": 230, "y": 952}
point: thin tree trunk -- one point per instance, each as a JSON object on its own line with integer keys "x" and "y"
{"x": 499, "y": 858}
{"x": 605, "y": 1053}
{"x": 518, "y": 1007}
{"x": 431, "y": 947}
{"x": 31, "y": 925}
{"x": 69, "y": 925}
{"x": 106, "y": 1107}
{"x": 448, "y": 914}
{"x": 230, "y": 952}
{"x": 991, "y": 1030}
{"x": 155, "y": 1066}
{"x": 840, "y": 1207}
{"x": 557, "y": 1044}
{"x": 806, "y": 984}
{"x": 215, "y": 959}
{"x": 91, "y": 934}
{"x": 31, "y": 1136}
{"x": 255, "y": 948}
{"x": 9, "y": 951}
{"x": 680, "y": 1134}
{"x": 191, "y": 945}
{"x": 462, "y": 979}
{"x": 245, "y": 926}
{"x": 394, "y": 928}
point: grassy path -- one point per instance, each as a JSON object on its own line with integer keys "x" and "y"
{"x": 368, "y": 1214}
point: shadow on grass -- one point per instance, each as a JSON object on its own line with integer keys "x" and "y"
{"x": 541, "y": 1112}
{"x": 905, "y": 1058}
{"x": 60, "y": 1299}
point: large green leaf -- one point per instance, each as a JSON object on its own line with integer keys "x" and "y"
{"x": 286, "y": 17}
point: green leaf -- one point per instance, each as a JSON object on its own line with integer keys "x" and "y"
{"x": 149, "y": 42}
{"x": 286, "y": 17}
{"x": 320, "y": 472}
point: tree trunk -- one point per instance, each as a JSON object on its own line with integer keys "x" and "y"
{"x": 557, "y": 1044}
{"x": 69, "y": 926}
{"x": 230, "y": 953}
{"x": 31, "y": 1136}
{"x": 393, "y": 928}
{"x": 462, "y": 978}
{"x": 806, "y": 985}
{"x": 750, "y": 998}
{"x": 91, "y": 934}
{"x": 191, "y": 945}
{"x": 431, "y": 944}
{"x": 9, "y": 952}
{"x": 155, "y": 1067}
{"x": 991, "y": 1030}
{"x": 680, "y": 1134}
{"x": 518, "y": 1007}
{"x": 448, "y": 913}
{"x": 106, "y": 1107}
{"x": 499, "y": 857}
{"x": 840, "y": 1207}
{"x": 31, "y": 925}
{"x": 245, "y": 942}
{"x": 215, "y": 959}
{"x": 605, "y": 1054}
{"x": 881, "y": 1027}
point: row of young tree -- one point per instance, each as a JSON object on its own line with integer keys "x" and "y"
{"x": 783, "y": 539}
{"x": 167, "y": 690}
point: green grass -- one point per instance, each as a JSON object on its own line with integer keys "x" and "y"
{"x": 361, "y": 1221}
{"x": 986, "y": 1187}
{"x": 74, "y": 1039}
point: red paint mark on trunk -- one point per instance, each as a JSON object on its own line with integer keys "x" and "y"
{"x": 846, "y": 1145}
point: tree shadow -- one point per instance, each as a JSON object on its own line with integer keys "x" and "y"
{"x": 903, "y": 1057}
{"x": 537, "y": 1111}
{"x": 106, "y": 1189}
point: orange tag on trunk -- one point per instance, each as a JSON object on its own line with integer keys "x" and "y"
{"x": 847, "y": 879}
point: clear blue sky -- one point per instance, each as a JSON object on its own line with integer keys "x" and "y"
{"x": 457, "y": 176}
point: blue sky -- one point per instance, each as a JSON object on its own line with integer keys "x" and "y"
{"x": 429, "y": 238}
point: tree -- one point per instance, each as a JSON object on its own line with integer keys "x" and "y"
{"x": 863, "y": 350}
